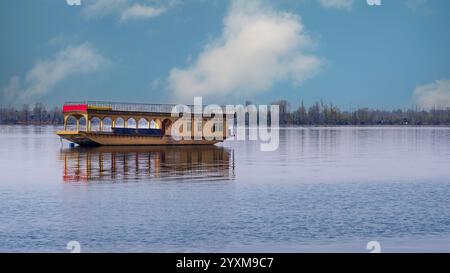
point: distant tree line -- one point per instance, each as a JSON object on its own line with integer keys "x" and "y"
{"x": 318, "y": 113}
{"x": 321, "y": 113}
{"x": 36, "y": 114}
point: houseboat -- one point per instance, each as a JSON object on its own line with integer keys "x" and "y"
{"x": 106, "y": 123}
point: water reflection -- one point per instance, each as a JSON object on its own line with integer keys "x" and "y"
{"x": 147, "y": 163}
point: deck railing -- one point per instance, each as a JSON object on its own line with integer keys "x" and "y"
{"x": 133, "y": 107}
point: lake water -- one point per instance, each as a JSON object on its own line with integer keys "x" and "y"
{"x": 323, "y": 190}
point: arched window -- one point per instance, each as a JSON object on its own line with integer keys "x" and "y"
{"x": 131, "y": 123}
{"x": 71, "y": 123}
{"x": 218, "y": 125}
{"x": 167, "y": 126}
{"x": 120, "y": 123}
{"x": 189, "y": 126}
{"x": 107, "y": 124}
{"x": 143, "y": 123}
{"x": 95, "y": 124}
{"x": 155, "y": 124}
{"x": 83, "y": 124}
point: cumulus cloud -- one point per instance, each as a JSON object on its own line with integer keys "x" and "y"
{"x": 138, "y": 11}
{"x": 337, "y": 4}
{"x": 126, "y": 10}
{"x": 259, "y": 47}
{"x": 100, "y": 8}
{"x": 45, "y": 74}
{"x": 433, "y": 95}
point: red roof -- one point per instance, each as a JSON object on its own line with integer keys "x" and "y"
{"x": 77, "y": 107}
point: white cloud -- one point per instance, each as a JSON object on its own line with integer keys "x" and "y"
{"x": 433, "y": 95}
{"x": 258, "y": 48}
{"x": 100, "y": 8}
{"x": 419, "y": 6}
{"x": 40, "y": 80}
{"x": 415, "y": 4}
{"x": 337, "y": 4}
{"x": 138, "y": 11}
{"x": 126, "y": 10}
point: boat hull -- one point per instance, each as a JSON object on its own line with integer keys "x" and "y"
{"x": 84, "y": 138}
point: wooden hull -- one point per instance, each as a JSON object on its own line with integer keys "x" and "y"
{"x": 109, "y": 139}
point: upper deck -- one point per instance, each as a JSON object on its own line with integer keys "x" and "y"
{"x": 87, "y": 106}
{"x": 130, "y": 108}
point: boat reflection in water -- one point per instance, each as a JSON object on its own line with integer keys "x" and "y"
{"x": 122, "y": 163}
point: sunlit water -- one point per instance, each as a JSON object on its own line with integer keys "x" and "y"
{"x": 324, "y": 189}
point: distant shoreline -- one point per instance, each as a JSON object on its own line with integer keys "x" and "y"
{"x": 281, "y": 126}
{"x": 315, "y": 115}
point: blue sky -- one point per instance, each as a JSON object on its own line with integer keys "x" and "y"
{"x": 342, "y": 51}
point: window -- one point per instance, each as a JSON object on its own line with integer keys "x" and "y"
{"x": 189, "y": 126}
{"x": 218, "y": 125}
{"x": 199, "y": 126}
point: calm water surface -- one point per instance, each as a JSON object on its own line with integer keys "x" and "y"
{"x": 324, "y": 189}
